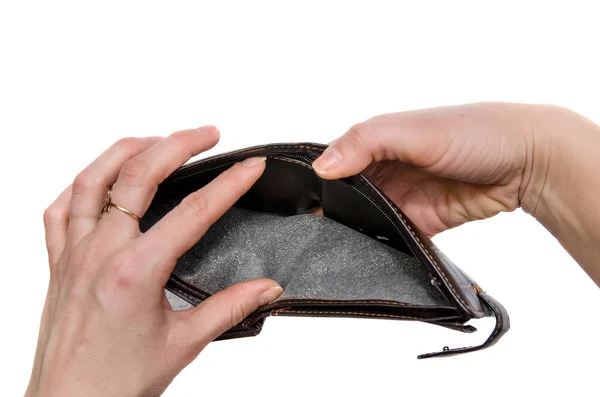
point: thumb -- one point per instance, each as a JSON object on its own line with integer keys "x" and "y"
{"x": 346, "y": 155}
{"x": 399, "y": 136}
{"x": 228, "y": 307}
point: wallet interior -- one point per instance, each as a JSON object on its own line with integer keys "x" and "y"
{"x": 350, "y": 254}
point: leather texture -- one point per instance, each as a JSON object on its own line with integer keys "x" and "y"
{"x": 271, "y": 232}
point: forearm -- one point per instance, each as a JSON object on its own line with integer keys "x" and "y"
{"x": 564, "y": 190}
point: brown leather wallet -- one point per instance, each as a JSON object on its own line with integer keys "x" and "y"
{"x": 362, "y": 258}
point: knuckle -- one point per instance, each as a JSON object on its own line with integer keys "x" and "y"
{"x": 135, "y": 171}
{"x": 237, "y": 312}
{"x": 128, "y": 143}
{"x": 359, "y": 133}
{"x": 363, "y": 138}
{"x": 52, "y": 215}
{"x": 183, "y": 137}
{"x": 83, "y": 182}
{"x": 124, "y": 270}
{"x": 76, "y": 294}
{"x": 231, "y": 180}
{"x": 195, "y": 204}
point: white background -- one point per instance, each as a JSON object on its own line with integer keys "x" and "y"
{"x": 75, "y": 77}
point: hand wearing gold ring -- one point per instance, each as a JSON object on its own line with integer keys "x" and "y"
{"x": 107, "y": 327}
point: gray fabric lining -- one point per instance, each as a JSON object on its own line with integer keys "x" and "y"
{"x": 176, "y": 302}
{"x": 311, "y": 256}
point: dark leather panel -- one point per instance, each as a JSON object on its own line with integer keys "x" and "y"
{"x": 344, "y": 204}
{"x": 298, "y": 189}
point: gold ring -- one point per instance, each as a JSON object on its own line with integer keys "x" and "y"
{"x": 108, "y": 204}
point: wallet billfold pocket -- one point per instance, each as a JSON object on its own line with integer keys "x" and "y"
{"x": 362, "y": 258}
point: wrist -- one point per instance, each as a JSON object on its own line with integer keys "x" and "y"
{"x": 562, "y": 150}
{"x": 561, "y": 184}
{"x": 543, "y": 150}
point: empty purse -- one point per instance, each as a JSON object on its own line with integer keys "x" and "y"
{"x": 362, "y": 258}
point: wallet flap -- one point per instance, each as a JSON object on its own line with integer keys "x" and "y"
{"x": 502, "y": 326}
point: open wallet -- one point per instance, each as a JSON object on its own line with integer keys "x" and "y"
{"x": 363, "y": 258}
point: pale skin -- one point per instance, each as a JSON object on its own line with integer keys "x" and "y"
{"x": 107, "y": 328}
{"x": 450, "y": 165}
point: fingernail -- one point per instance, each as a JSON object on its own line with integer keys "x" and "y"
{"x": 328, "y": 161}
{"x": 208, "y": 129}
{"x": 250, "y": 161}
{"x": 270, "y": 295}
